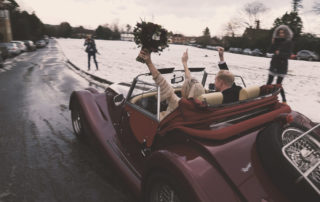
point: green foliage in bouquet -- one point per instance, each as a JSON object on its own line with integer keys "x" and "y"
{"x": 150, "y": 36}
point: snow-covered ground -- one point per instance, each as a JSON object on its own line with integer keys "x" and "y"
{"x": 117, "y": 63}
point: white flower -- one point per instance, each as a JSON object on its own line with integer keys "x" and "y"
{"x": 156, "y": 37}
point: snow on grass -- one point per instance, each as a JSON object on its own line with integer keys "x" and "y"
{"x": 117, "y": 63}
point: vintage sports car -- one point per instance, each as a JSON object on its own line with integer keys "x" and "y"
{"x": 255, "y": 149}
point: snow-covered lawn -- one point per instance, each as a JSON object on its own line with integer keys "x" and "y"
{"x": 117, "y": 63}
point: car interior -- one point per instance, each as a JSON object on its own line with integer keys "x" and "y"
{"x": 148, "y": 101}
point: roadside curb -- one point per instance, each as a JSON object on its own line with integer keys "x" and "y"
{"x": 96, "y": 78}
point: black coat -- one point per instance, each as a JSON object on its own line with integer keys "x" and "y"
{"x": 231, "y": 94}
{"x": 91, "y": 46}
{"x": 279, "y": 63}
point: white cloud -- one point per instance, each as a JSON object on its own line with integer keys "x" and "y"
{"x": 189, "y": 17}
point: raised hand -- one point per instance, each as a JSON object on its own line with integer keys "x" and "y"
{"x": 185, "y": 58}
{"x": 221, "y": 52}
{"x": 145, "y": 55}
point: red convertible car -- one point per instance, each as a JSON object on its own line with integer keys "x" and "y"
{"x": 256, "y": 149}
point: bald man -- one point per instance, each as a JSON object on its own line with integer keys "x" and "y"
{"x": 224, "y": 81}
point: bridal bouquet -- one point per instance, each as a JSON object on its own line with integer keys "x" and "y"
{"x": 151, "y": 37}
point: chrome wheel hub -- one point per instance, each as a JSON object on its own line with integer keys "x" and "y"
{"x": 163, "y": 193}
{"x": 76, "y": 121}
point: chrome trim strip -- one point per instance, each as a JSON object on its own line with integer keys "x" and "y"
{"x": 236, "y": 119}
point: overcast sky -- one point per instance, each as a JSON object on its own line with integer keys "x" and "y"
{"x": 188, "y": 17}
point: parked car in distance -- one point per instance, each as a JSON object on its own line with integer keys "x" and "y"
{"x": 293, "y": 57}
{"x": 269, "y": 55}
{"x": 257, "y": 52}
{"x": 307, "y": 55}
{"x": 20, "y": 45}
{"x": 247, "y": 51}
{"x": 46, "y": 39}
{"x": 30, "y": 45}
{"x": 41, "y": 43}
{"x": 212, "y": 47}
{"x": 5, "y": 52}
{"x": 12, "y": 48}
{"x": 235, "y": 50}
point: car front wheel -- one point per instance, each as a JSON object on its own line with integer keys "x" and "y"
{"x": 310, "y": 59}
{"x": 77, "y": 120}
{"x": 161, "y": 187}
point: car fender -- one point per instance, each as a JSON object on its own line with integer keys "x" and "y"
{"x": 192, "y": 167}
{"x": 94, "y": 107}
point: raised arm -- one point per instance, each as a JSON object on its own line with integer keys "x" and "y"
{"x": 145, "y": 55}
{"x": 166, "y": 89}
{"x": 184, "y": 60}
{"x": 222, "y": 64}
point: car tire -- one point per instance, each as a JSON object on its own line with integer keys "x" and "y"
{"x": 269, "y": 145}
{"x": 161, "y": 186}
{"x": 298, "y": 58}
{"x": 77, "y": 118}
{"x": 310, "y": 59}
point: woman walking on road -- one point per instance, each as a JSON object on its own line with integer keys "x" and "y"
{"x": 281, "y": 48}
{"x": 91, "y": 50}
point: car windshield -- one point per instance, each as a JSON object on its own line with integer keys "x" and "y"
{"x": 145, "y": 83}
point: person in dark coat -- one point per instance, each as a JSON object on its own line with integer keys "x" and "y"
{"x": 91, "y": 50}
{"x": 224, "y": 81}
{"x": 281, "y": 48}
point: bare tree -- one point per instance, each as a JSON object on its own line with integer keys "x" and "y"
{"x": 296, "y": 5}
{"x": 253, "y": 11}
{"x": 233, "y": 26}
{"x": 316, "y": 7}
{"x": 128, "y": 28}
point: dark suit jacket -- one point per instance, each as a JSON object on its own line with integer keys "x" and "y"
{"x": 231, "y": 94}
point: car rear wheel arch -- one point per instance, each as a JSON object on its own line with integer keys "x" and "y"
{"x": 161, "y": 183}
{"x": 162, "y": 165}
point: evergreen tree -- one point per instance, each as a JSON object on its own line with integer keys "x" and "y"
{"x": 206, "y": 32}
{"x": 291, "y": 19}
{"x": 103, "y": 32}
{"x": 116, "y": 34}
{"x": 37, "y": 29}
{"x": 65, "y": 30}
{"x": 205, "y": 39}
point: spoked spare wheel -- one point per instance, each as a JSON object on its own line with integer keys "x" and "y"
{"x": 291, "y": 157}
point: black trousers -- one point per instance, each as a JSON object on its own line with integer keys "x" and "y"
{"x": 279, "y": 81}
{"x": 94, "y": 59}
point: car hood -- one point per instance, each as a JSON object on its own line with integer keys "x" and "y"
{"x": 240, "y": 163}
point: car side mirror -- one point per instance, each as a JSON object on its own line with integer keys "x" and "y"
{"x": 211, "y": 86}
{"x": 178, "y": 79}
{"x": 118, "y": 100}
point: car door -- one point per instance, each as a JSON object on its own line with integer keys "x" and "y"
{"x": 143, "y": 123}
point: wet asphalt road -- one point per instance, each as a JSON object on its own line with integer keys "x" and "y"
{"x": 40, "y": 158}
